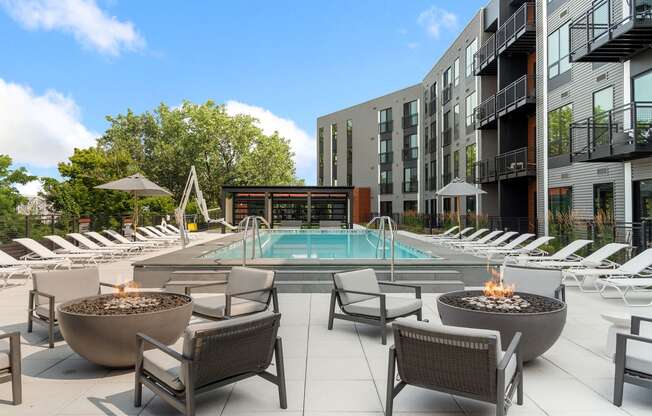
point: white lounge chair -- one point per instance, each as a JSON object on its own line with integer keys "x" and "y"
{"x": 460, "y": 237}
{"x": 110, "y": 244}
{"x": 447, "y": 233}
{"x": 529, "y": 249}
{"x": 563, "y": 254}
{"x": 162, "y": 241}
{"x": 595, "y": 260}
{"x": 123, "y": 240}
{"x": 9, "y": 261}
{"x": 482, "y": 250}
{"x": 483, "y": 240}
{"x": 166, "y": 231}
{"x": 69, "y": 248}
{"x": 498, "y": 242}
{"x": 92, "y": 245}
{"x": 159, "y": 233}
{"x": 172, "y": 228}
{"x": 39, "y": 251}
{"x": 149, "y": 233}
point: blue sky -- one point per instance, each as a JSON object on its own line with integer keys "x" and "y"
{"x": 66, "y": 64}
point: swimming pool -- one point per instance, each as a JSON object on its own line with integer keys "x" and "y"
{"x": 316, "y": 244}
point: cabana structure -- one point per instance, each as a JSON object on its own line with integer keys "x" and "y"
{"x": 308, "y": 204}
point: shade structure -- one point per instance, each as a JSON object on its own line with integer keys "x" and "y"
{"x": 459, "y": 188}
{"x": 137, "y": 185}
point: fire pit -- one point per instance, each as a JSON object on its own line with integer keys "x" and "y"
{"x": 103, "y": 328}
{"x": 539, "y": 318}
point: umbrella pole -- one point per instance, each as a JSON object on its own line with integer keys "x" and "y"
{"x": 135, "y": 219}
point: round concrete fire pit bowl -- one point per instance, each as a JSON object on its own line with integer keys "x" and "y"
{"x": 541, "y": 323}
{"x": 103, "y": 328}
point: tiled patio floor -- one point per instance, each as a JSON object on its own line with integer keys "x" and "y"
{"x": 339, "y": 372}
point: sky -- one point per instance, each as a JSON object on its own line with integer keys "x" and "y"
{"x": 67, "y": 64}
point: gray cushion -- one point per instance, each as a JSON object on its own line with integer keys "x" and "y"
{"x": 164, "y": 367}
{"x": 395, "y": 306}
{"x": 67, "y": 285}
{"x": 246, "y": 279}
{"x": 4, "y": 355}
{"x": 44, "y": 310}
{"x": 639, "y": 356}
{"x": 214, "y": 305}
{"x": 358, "y": 280}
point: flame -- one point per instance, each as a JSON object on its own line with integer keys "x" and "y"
{"x": 498, "y": 290}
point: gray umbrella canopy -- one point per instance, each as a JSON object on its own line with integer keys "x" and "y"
{"x": 458, "y": 187}
{"x": 137, "y": 185}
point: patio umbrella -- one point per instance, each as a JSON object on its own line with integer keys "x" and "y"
{"x": 459, "y": 188}
{"x": 137, "y": 185}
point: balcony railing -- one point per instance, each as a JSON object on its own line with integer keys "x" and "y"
{"x": 432, "y": 183}
{"x": 411, "y": 186}
{"x": 485, "y": 114}
{"x": 384, "y": 158}
{"x": 519, "y": 94}
{"x": 432, "y": 106}
{"x": 432, "y": 146}
{"x": 516, "y": 163}
{"x": 410, "y": 153}
{"x": 446, "y": 178}
{"x": 611, "y": 31}
{"x": 447, "y": 94}
{"x": 484, "y": 171}
{"x": 456, "y": 131}
{"x": 446, "y": 136}
{"x": 410, "y": 121}
{"x": 386, "y": 188}
{"x": 518, "y": 33}
{"x": 624, "y": 133}
{"x": 386, "y": 126}
{"x": 485, "y": 58}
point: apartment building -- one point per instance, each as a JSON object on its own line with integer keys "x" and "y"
{"x": 542, "y": 103}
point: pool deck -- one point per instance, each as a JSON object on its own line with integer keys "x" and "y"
{"x": 448, "y": 270}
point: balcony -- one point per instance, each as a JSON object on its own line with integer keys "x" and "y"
{"x": 446, "y": 178}
{"x": 432, "y": 146}
{"x": 385, "y": 158}
{"x": 411, "y": 186}
{"x": 410, "y": 153}
{"x": 518, "y": 33}
{"x": 432, "y": 106}
{"x": 485, "y": 114}
{"x": 410, "y": 121}
{"x": 432, "y": 183}
{"x": 447, "y": 94}
{"x": 484, "y": 171}
{"x": 485, "y": 58}
{"x": 386, "y": 188}
{"x": 516, "y": 163}
{"x": 446, "y": 136}
{"x": 386, "y": 126}
{"x": 520, "y": 95}
{"x": 611, "y": 31}
{"x": 623, "y": 134}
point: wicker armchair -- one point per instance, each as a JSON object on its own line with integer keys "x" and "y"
{"x": 53, "y": 288}
{"x": 247, "y": 291}
{"x": 360, "y": 299}
{"x": 633, "y": 359}
{"x": 10, "y": 364}
{"x": 536, "y": 280}
{"x": 212, "y": 355}
{"x": 465, "y": 362}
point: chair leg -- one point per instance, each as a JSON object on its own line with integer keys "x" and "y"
{"x": 383, "y": 322}
{"x": 619, "y": 376}
{"x": 280, "y": 373}
{"x": 391, "y": 369}
{"x": 331, "y": 312}
{"x": 30, "y": 308}
{"x": 420, "y": 315}
{"x": 16, "y": 371}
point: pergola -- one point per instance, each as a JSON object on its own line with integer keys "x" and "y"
{"x": 308, "y": 204}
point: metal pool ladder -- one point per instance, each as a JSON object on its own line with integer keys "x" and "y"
{"x": 251, "y": 222}
{"x": 385, "y": 224}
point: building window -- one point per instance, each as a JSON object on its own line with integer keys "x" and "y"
{"x": 386, "y": 182}
{"x": 470, "y": 205}
{"x": 410, "y": 147}
{"x": 560, "y": 200}
{"x": 433, "y": 136}
{"x": 410, "y": 179}
{"x": 386, "y": 208}
{"x": 456, "y": 71}
{"x": 349, "y": 152}
{"x": 321, "y": 156}
{"x": 603, "y": 103}
{"x": 385, "y": 151}
{"x": 643, "y": 87}
{"x": 456, "y": 116}
{"x": 446, "y": 77}
{"x": 471, "y": 49}
{"x": 471, "y": 102}
{"x": 559, "y": 121}
{"x": 603, "y": 201}
{"x": 447, "y": 205}
{"x": 385, "y": 120}
{"x": 409, "y": 206}
{"x": 433, "y": 175}
{"x": 558, "y": 46}
{"x": 470, "y": 162}
{"x": 334, "y": 152}
{"x": 410, "y": 114}
{"x": 456, "y": 164}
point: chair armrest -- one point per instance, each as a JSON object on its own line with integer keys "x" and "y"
{"x": 120, "y": 286}
{"x": 249, "y": 292}
{"x": 636, "y": 323}
{"x": 196, "y": 283}
{"x": 511, "y": 350}
{"x": 142, "y": 339}
{"x": 10, "y": 335}
{"x": 417, "y": 289}
{"x": 355, "y": 292}
{"x": 38, "y": 293}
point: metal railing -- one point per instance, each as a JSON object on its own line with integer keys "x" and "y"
{"x": 386, "y": 126}
{"x": 432, "y": 106}
{"x": 485, "y": 110}
{"x": 385, "y": 224}
{"x": 516, "y": 161}
{"x": 446, "y": 94}
{"x": 410, "y": 121}
{"x": 521, "y": 89}
{"x": 251, "y": 222}
{"x": 386, "y": 188}
{"x": 484, "y": 170}
{"x": 432, "y": 145}
{"x": 485, "y": 54}
{"x": 384, "y": 158}
{"x": 446, "y": 178}
{"x": 411, "y": 186}
{"x": 410, "y": 153}
{"x": 446, "y": 136}
{"x": 629, "y": 124}
{"x": 521, "y": 19}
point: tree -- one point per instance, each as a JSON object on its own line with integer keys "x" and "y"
{"x": 11, "y": 224}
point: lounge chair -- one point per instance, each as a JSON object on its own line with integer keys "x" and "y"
{"x": 360, "y": 299}
{"x": 172, "y": 228}
{"x": 483, "y": 250}
{"x": 7, "y": 272}
{"x": 566, "y": 253}
{"x": 529, "y": 249}
{"x": 131, "y": 248}
{"x": 144, "y": 239}
{"x": 535, "y": 280}
{"x": 151, "y": 234}
{"x": 246, "y": 291}
{"x": 9, "y": 261}
{"x": 223, "y": 222}
{"x": 289, "y": 225}
{"x": 633, "y": 358}
{"x": 480, "y": 241}
{"x": 211, "y": 355}
{"x": 460, "y": 237}
{"x": 39, "y": 251}
{"x": 53, "y": 288}
{"x": 501, "y": 241}
{"x": 599, "y": 258}
{"x": 67, "y": 247}
{"x": 464, "y": 362}
{"x": 166, "y": 231}
{"x": 449, "y": 232}
{"x": 158, "y": 233}
{"x": 152, "y": 245}
{"x": 10, "y": 365}
{"x": 92, "y": 245}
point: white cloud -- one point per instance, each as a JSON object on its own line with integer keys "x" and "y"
{"x": 412, "y": 45}
{"x": 90, "y": 25}
{"x": 435, "y": 19}
{"x": 30, "y": 188}
{"x": 302, "y": 144}
{"x": 39, "y": 130}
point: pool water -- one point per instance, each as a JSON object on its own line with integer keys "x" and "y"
{"x": 318, "y": 245}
